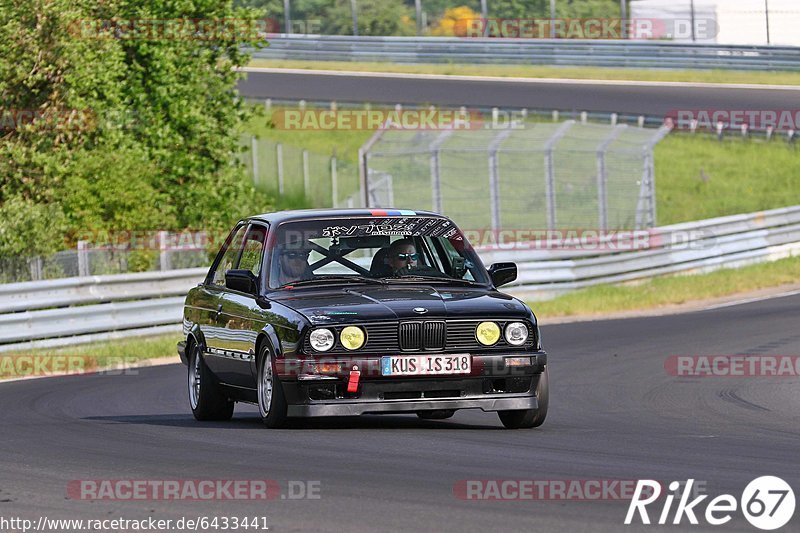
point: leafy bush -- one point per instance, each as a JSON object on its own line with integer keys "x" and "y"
{"x": 375, "y": 17}
{"x": 129, "y": 133}
{"x": 454, "y": 22}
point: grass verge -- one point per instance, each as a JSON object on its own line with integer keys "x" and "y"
{"x": 88, "y": 357}
{"x": 670, "y": 290}
{"x": 699, "y": 177}
{"x": 536, "y": 71}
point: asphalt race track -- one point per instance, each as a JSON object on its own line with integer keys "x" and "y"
{"x": 635, "y": 98}
{"x": 615, "y": 414}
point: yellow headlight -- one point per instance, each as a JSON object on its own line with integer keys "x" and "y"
{"x": 487, "y": 333}
{"x": 352, "y": 337}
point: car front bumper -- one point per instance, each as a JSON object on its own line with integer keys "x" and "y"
{"x": 490, "y": 387}
{"x": 355, "y": 408}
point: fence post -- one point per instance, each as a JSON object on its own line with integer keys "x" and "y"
{"x": 83, "y": 258}
{"x": 254, "y": 158}
{"x": 36, "y": 268}
{"x": 363, "y": 181}
{"x": 279, "y": 156}
{"x": 163, "y": 251}
{"x": 363, "y": 160}
{"x": 646, "y": 205}
{"x": 334, "y": 183}
{"x": 306, "y": 176}
{"x": 436, "y": 178}
{"x": 494, "y": 177}
{"x": 602, "y": 175}
{"x": 550, "y": 172}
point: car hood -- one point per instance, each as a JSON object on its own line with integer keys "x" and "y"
{"x": 359, "y": 303}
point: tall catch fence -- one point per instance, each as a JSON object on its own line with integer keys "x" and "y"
{"x": 537, "y": 175}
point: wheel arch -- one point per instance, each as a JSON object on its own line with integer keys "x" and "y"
{"x": 266, "y": 335}
{"x": 195, "y": 336}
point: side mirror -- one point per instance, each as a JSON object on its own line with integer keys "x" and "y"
{"x": 503, "y": 273}
{"x": 241, "y": 280}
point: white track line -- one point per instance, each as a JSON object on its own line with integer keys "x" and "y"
{"x": 534, "y": 81}
{"x": 751, "y": 300}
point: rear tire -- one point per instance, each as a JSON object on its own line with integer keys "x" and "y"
{"x": 206, "y": 398}
{"x": 437, "y": 414}
{"x": 530, "y": 418}
{"x": 271, "y": 400}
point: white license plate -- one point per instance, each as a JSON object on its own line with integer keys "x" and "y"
{"x": 426, "y": 365}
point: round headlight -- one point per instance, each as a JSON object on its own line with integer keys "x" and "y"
{"x": 487, "y": 333}
{"x": 321, "y": 339}
{"x": 352, "y": 337}
{"x": 516, "y": 333}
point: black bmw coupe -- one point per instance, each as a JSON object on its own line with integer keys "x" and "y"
{"x": 347, "y": 312}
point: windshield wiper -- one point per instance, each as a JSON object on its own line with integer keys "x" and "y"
{"x": 331, "y": 277}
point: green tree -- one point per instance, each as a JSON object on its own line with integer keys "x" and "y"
{"x": 375, "y": 17}
{"x": 131, "y": 131}
{"x": 587, "y": 8}
{"x": 307, "y": 15}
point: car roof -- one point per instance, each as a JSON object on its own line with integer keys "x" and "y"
{"x": 307, "y": 214}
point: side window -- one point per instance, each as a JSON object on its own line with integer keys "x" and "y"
{"x": 228, "y": 260}
{"x": 253, "y": 250}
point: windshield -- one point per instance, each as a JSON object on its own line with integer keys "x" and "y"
{"x": 392, "y": 249}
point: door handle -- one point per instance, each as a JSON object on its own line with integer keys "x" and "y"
{"x": 219, "y": 312}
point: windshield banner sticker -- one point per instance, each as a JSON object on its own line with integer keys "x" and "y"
{"x": 415, "y": 227}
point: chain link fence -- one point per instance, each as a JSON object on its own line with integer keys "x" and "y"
{"x": 536, "y": 175}
{"x": 287, "y": 170}
{"x": 163, "y": 251}
{"x": 532, "y": 175}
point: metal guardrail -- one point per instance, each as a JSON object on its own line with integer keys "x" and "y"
{"x": 566, "y": 52}
{"x": 32, "y": 295}
{"x": 71, "y": 311}
{"x": 70, "y": 321}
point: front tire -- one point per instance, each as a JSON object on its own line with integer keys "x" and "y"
{"x": 271, "y": 401}
{"x": 530, "y": 418}
{"x": 206, "y": 398}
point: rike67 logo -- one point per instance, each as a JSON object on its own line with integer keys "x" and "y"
{"x": 767, "y": 503}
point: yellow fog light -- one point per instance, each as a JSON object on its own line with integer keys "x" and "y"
{"x": 487, "y": 333}
{"x": 352, "y": 337}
